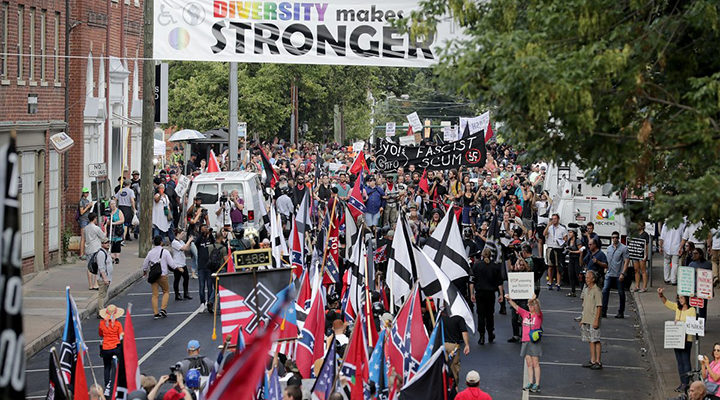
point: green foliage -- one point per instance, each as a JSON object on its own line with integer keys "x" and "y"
{"x": 629, "y": 88}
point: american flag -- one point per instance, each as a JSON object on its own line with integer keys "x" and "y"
{"x": 251, "y": 305}
{"x": 272, "y": 386}
{"x": 322, "y": 389}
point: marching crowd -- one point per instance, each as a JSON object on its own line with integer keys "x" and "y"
{"x": 506, "y": 221}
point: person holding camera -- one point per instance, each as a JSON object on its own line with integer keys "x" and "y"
{"x": 595, "y": 259}
{"x": 203, "y": 242}
{"x": 195, "y": 360}
{"x": 162, "y": 215}
{"x": 177, "y": 392}
{"x": 556, "y": 235}
{"x": 574, "y": 250}
{"x": 237, "y": 205}
{"x": 179, "y": 246}
{"x": 223, "y": 219}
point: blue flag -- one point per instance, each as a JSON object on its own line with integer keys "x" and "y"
{"x": 272, "y": 386}
{"x": 376, "y": 367}
{"x": 322, "y": 389}
{"x": 433, "y": 343}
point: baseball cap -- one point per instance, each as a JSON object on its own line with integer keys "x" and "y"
{"x": 136, "y": 172}
{"x": 85, "y": 190}
{"x": 193, "y": 345}
{"x": 472, "y": 377}
{"x": 106, "y": 240}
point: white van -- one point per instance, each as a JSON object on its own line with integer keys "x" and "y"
{"x": 579, "y": 202}
{"x": 209, "y": 187}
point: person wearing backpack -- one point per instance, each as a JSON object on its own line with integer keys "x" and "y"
{"x": 216, "y": 257}
{"x": 103, "y": 267}
{"x": 94, "y": 237}
{"x": 156, "y": 267}
{"x": 195, "y": 360}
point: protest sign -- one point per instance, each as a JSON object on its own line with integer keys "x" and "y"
{"x": 390, "y": 129}
{"x": 636, "y": 248}
{"x": 674, "y": 335}
{"x": 450, "y": 133}
{"x": 704, "y": 288}
{"x": 466, "y": 152}
{"x": 415, "y": 122}
{"x": 476, "y": 124}
{"x": 521, "y": 285}
{"x": 686, "y": 281}
{"x": 407, "y": 140}
{"x": 695, "y": 326}
{"x": 358, "y": 146}
{"x": 182, "y": 185}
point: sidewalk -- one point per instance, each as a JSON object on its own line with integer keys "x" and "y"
{"x": 44, "y": 305}
{"x": 653, "y": 315}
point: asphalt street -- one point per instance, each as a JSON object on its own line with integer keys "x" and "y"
{"x": 163, "y": 342}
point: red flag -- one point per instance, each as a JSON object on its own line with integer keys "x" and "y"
{"x": 423, "y": 184}
{"x": 360, "y": 164}
{"x": 132, "y": 369}
{"x": 80, "y": 388}
{"x": 230, "y": 264}
{"x": 212, "y": 165}
{"x": 240, "y": 379}
{"x": 311, "y": 345}
{"x": 408, "y": 336}
{"x": 373, "y": 332}
{"x": 305, "y": 292}
{"x": 488, "y": 132}
{"x": 355, "y": 202}
{"x": 296, "y": 251}
{"x": 355, "y": 365}
{"x": 410, "y": 131}
{"x": 271, "y": 176}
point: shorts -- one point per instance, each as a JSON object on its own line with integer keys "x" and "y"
{"x": 556, "y": 257}
{"x": 83, "y": 223}
{"x": 590, "y": 334}
{"x": 531, "y": 349}
{"x": 115, "y": 246}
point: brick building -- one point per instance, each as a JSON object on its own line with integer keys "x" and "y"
{"x": 38, "y": 99}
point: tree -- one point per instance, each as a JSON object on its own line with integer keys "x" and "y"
{"x": 629, "y": 89}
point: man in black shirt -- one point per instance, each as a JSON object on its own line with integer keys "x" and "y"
{"x": 203, "y": 242}
{"x": 487, "y": 280}
{"x": 455, "y": 334}
{"x": 191, "y": 164}
{"x": 299, "y": 190}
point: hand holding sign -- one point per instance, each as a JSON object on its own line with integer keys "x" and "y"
{"x": 521, "y": 285}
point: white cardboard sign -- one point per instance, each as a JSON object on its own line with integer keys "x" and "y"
{"x": 182, "y": 185}
{"x": 450, "y": 134}
{"x": 477, "y": 124}
{"x": 415, "y": 122}
{"x": 674, "y": 335}
{"x": 358, "y": 146}
{"x": 686, "y": 281}
{"x": 695, "y": 326}
{"x": 704, "y": 288}
{"x": 390, "y": 129}
{"x": 521, "y": 285}
{"x": 407, "y": 140}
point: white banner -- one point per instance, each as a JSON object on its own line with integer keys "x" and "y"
{"x": 407, "y": 140}
{"x": 343, "y": 32}
{"x": 450, "y": 133}
{"x": 477, "y": 124}
{"x": 415, "y": 122}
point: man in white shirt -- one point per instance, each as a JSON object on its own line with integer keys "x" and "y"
{"x": 670, "y": 239}
{"x": 104, "y": 273}
{"x": 556, "y": 236}
{"x": 690, "y": 234}
{"x": 159, "y": 254}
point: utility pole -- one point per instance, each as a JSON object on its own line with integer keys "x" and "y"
{"x": 233, "y": 134}
{"x": 148, "y": 127}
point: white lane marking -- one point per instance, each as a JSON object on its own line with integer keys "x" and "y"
{"x": 540, "y": 396}
{"x": 604, "y": 366}
{"x": 526, "y": 393}
{"x": 46, "y": 370}
{"x": 563, "y": 311}
{"x": 170, "y": 313}
{"x": 171, "y": 334}
{"x": 137, "y": 338}
{"x": 578, "y": 337}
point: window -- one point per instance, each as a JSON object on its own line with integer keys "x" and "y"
{"x": 43, "y": 43}
{"x": 54, "y": 202}
{"x": 229, "y": 187}
{"x": 207, "y": 193}
{"x": 4, "y": 39}
{"x": 32, "y": 44}
{"x": 27, "y": 199}
{"x": 56, "y": 49}
{"x": 21, "y": 23}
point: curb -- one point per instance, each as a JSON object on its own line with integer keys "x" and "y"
{"x": 651, "y": 346}
{"x": 55, "y": 332}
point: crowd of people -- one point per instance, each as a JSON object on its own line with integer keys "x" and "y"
{"x": 502, "y": 208}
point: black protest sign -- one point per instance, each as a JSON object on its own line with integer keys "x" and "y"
{"x": 636, "y": 248}
{"x": 12, "y": 356}
{"x": 466, "y": 152}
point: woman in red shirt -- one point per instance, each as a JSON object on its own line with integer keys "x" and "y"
{"x": 111, "y": 333}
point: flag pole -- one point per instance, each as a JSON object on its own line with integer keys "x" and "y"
{"x": 217, "y": 282}
{"x": 327, "y": 238}
{"x": 63, "y": 386}
{"x": 368, "y": 299}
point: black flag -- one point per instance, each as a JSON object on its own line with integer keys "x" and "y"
{"x": 56, "y": 389}
{"x": 430, "y": 382}
{"x": 11, "y": 325}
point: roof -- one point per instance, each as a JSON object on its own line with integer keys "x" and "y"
{"x": 225, "y": 176}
